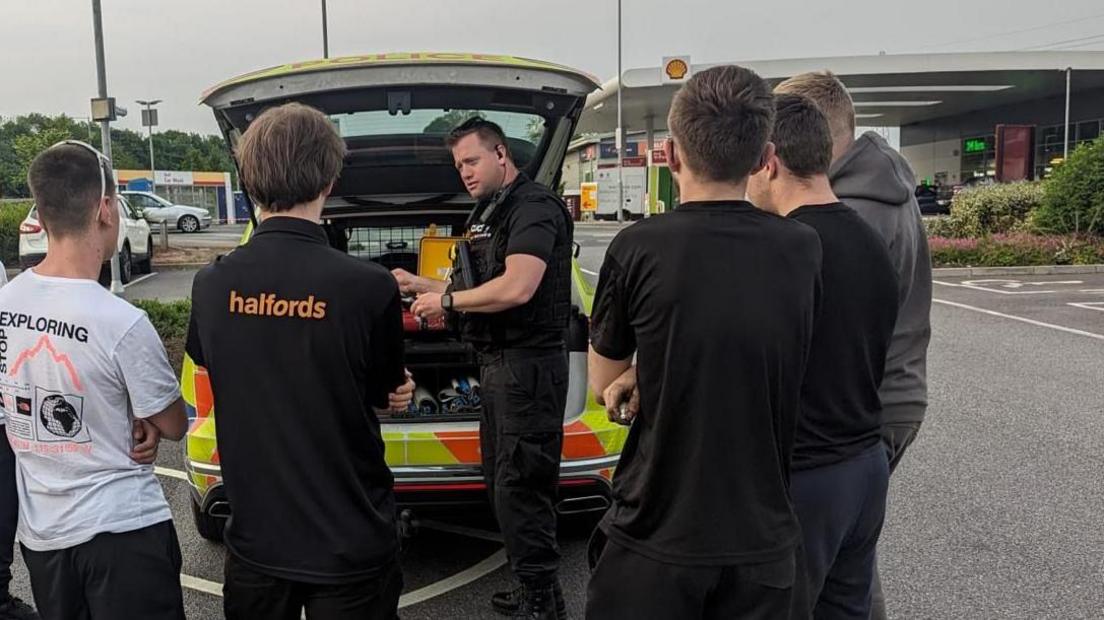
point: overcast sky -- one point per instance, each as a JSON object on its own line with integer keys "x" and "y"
{"x": 173, "y": 49}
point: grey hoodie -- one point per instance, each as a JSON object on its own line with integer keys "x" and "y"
{"x": 875, "y": 180}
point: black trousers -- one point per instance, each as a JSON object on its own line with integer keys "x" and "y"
{"x": 251, "y": 595}
{"x": 841, "y": 508}
{"x": 521, "y": 434}
{"x": 896, "y": 438}
{"x": 628, "y": 585}
{"x": 129, "y": 575}
{"x": 9, "y": 513}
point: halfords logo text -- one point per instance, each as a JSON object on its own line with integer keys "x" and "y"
{"x": 267, "y": 304}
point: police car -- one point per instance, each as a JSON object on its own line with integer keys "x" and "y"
{"x": 398, "y": 201}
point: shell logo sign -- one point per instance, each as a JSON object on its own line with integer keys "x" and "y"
{"x": 676, "y": 69}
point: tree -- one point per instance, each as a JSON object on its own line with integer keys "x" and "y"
{"x": 1073, "y": 196}
{"x": 24, "y": 137}
{"x": 449, "y": 120}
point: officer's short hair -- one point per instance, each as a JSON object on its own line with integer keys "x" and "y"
{"x": 829, "y": 94}
{"x": 289, "y": 155}
{"x": 801, "y": 136}
{"x": 720, "y": 120}
{"x": 490, "y": 134}
{"x": 65, "y": 182}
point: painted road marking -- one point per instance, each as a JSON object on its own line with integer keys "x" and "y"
{"x": 140, "y": 279}
{"x": 487, "y": 566}
{"x": 201, "y": 585}
{"x": 1068, "y": 330}
{"x": 1009, "y": 287}
{"x": 170, "y": 473}
{"x": 1089, "y": 305}
{"x": 494, "y": 562}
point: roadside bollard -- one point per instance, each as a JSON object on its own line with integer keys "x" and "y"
{"x": 164, "y": 235}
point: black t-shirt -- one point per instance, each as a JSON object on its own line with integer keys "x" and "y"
{"x": 717, "y": 299}
{"x": 840, "y": 409}
{"x": 300, "y": 342}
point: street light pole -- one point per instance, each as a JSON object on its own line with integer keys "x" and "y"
{"x": 105, "y": 126}
{"x": 325, "y": 33}
{"x": 620, "y": 136}
{"x": 150, "y": 122}
{"x": 1065, "y": 143}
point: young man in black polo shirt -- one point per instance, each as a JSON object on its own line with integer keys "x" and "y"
{"x": 717, "y": 301}
{"x": 302, "y": 343}
{"x": 840, "y": 471}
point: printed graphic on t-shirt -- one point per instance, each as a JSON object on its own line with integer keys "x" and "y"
{"x": 17, "y": 409}
{"x": 47, "y": 418}
{"x": 44, "y": 345}
{"x": 60, "y": 416}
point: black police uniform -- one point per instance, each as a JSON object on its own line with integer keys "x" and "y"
{"x": 302, "y": 342}
{"x": 524, "y": 371}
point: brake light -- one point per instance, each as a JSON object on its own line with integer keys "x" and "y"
{"x": 27, "y": 228}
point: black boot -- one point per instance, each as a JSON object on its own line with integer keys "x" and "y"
{"x": 533, "y": 602}
{"x": 11, "y": 608}
{"x": 509, "y": 601}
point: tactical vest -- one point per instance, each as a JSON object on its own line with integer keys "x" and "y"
{"x": 550, "y": 307}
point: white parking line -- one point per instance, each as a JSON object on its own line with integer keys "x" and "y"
{"x": 137, "y": 280}
{"x": 170, "y": 473}
{"x": 489, "y": 565}
{"x": 494, "y": 562}
{"x": 1009, "y": 287}
{"x": 1068, "y": 330}
{"x": 201, "y": 585}
{"x": 1089, "y": 305}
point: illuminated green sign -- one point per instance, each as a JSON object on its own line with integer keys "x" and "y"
{"x": 975, "y": 145}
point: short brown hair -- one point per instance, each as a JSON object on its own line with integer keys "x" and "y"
{"x": 490, "y": 134}
{"x": 829, "y": 94}
{"x": 720, "y": 121}
{"x": 801, "y": 136}
{"x": 65, "y": 183}
{"x": 289, "y": 155}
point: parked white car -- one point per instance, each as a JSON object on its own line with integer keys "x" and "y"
{"x": 156, "y": 210}
{"x": 135, "y": 242}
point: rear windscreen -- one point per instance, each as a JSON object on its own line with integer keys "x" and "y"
{"x": 425, "y": 130}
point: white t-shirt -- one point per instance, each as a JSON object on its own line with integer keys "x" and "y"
{"x": 77, "y": 365}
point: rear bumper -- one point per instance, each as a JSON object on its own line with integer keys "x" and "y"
{"x": 584, "y": 486}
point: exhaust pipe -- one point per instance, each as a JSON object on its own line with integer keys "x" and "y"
{"x": 587, "y": 503}
{"x": 219, "y": 509}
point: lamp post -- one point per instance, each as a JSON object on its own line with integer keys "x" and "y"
{"x": 104, "y": 118}
{"x": 620, "y": 135}
{"x": 325, "y": 33}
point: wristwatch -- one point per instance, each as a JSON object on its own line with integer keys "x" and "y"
{"x": 446, "y": 302}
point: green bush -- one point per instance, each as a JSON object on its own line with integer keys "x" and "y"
{"x": 989, "y": 210}
{"x": 170, "y": 319}
{"x": 1017, "y": 250}
{"x": 1073, "y": 201}
{"x": 11, "y": 215}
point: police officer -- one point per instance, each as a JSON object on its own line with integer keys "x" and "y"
{"x": 520, "y": 236}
